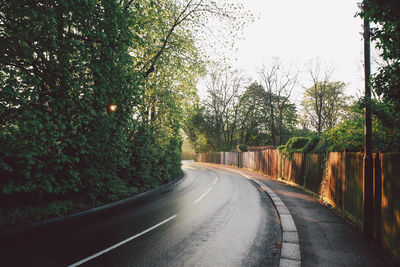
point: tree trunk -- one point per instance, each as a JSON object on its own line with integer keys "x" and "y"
{"x": 280, "y": 125}
{"x": 272, "y": 125}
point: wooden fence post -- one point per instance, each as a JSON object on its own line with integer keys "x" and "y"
{"x": 378, "y": 199}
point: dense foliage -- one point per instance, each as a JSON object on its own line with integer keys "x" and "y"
{"x": 63, "y": 63}
{"x": 345, "y": 136}
{"x": 295, "y": 144}
{"x": 349, "y": 135}
{"x": 241, "y": 148}
{"x": 93, "y": 95}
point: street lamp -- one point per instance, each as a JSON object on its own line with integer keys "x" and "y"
{"x": 112, "y": 108}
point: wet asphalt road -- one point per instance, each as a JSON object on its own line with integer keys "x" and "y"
{"x": 213, "y": 217}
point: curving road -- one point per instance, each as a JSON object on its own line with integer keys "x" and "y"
{"x": 213, "y": 217}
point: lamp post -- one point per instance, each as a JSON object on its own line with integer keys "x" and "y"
{"x": 368, "y": 168}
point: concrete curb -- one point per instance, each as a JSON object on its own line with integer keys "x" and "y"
{"x": 290, "y": 251}
{"x": 90, "y": 212}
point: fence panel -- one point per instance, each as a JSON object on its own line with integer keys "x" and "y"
{"x": 353, "y": 189}
{"x": 230, "y": 158}
{"x": 249, "y": 160}
{"x": 335, "y": 182}
{"x": 273, "y": 164}
{"x": 313, "y": 172}
{"x": 293, "y": 168}
{"x": 390, "y": 165}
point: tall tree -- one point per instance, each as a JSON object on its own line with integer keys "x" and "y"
{"x": 193, "y": 17}
{"x": 385, "y": 16}
{"x": 269, "y": 77}
{"x": 286, "y": 83}
{"x": 279, "y": 83}
{"x": 324, "y": 104}
{"x": 254, "y": 119}
{"x": 318, "y": 92}
{"x": 223, "y": 86}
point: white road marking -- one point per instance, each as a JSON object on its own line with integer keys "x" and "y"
{"x": 197, "y": 201}
{"x": 121, "y": 243}
{"x": 216, "y": 178}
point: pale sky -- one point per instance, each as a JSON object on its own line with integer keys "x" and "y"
{"x": 297, "y": 31}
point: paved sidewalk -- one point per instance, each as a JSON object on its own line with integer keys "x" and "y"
{"x": 326, "y": 239}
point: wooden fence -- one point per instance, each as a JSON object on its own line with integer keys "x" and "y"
{"x": 337, "y": 178}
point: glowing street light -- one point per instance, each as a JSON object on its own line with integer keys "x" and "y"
{"x": 112, "y": 108}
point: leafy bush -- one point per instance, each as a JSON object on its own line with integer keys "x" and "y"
{"x": 296, "y": 144}
{"x": 241, "y": 148}
{"x": 323, "y": 146}
{"x": 282, "y": 148}
{"x": 348, "y": 135}
{"x": 312, "y": 144}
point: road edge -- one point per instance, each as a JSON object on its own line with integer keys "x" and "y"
{"x": 131, "y": 200}
{"x": 290, "y": 250}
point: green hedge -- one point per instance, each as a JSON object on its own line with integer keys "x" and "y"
{"x": 296, "y": 144}
{"x": 65, "y": 63}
